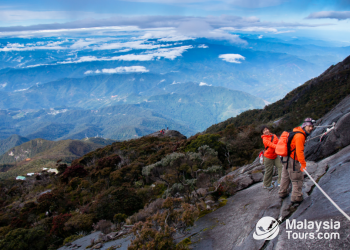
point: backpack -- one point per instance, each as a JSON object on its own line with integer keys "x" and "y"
{"x": 261, "y": 155}
{"x": 283, "y": 145}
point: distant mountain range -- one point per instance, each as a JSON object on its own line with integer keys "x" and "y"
{"x": 118, "y": 107}
{"x": 32, "y": 155}
{"x": 57, "y": 88}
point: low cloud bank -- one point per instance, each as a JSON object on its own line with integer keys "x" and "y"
{"x": 232, "y": 58}
{"x": 119, "y": 70}
{"x": 340, "y": 15}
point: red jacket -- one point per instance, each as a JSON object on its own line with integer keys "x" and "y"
{"x": 270, "y": 152}
{"x": 298, "y": 142}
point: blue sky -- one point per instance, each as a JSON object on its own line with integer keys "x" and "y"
{"x": 327, "y": 20}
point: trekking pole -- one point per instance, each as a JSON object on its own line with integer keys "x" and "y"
{"x": 329, "y": 198}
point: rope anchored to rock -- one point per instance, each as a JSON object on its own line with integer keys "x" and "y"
{"x": 329, "y": 128}
{"x": 329, "y": 198}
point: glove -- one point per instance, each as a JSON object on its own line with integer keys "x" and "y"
{"x": 302, "y": 168}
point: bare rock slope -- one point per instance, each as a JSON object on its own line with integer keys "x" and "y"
{"x": 232, "y": 226}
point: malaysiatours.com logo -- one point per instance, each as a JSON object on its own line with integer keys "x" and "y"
{"x": 267, "y": 228}
{"x": 311, "y": 229}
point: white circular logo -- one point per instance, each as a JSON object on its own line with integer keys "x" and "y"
{"x": 267, "y": 228}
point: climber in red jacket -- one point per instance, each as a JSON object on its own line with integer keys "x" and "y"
{"x": 270, "y": 157}
{"x": 295, "y": 164}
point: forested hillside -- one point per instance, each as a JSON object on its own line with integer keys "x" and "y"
{"x": 159, "y": 183}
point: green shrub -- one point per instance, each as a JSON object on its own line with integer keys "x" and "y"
{"x": 79, "y": 222}
{"x": 212, "y": 140}
{"x": 72, "y": 238}
{"x": 119, "y": 218}
{"x": 20, "y": 238}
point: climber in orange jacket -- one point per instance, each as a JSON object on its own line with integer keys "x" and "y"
{"x": 270, "y": 157}
{"x": 294, "y": 166}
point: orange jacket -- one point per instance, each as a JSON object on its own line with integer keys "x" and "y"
{"x": 298, "y": 142}
{"x": 270, "y": 152}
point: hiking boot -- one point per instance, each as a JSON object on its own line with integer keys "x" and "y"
{"x": 276, "y": 184}
{"x": 296, "y": 203}
{"x": 284, "y": 196}
{"x": 270, "y": 187}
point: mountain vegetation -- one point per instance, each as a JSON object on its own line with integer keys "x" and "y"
{"x": 10, "y": 142}
{"x": 154, "y": 182}
{"x": 34, "y": 155}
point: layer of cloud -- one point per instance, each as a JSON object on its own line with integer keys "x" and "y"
{"x": 169, "y": 53}
{"x": 140, "y": 44}
{"x": 258, "y": 29}
{"x": 232, "y": 58}
{"x": 33, "y": 46}
{"x": 340, "y": 15}
{"x": 204, "y": 84}
{"x": 88, "y": 43}
{"x": 119, "y": 70}
{"x": 23, "y": 15}
{"x": 173, "y": 27}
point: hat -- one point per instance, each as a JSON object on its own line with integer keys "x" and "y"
{"x": 262, "y": 128}
{"x": 308, "y": 122}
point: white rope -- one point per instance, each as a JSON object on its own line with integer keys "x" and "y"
{"x": 315, "y": 137}
{"x": 333, "y": 124}
{"x": 329, "y": 198}
{"x": 327, "y": 131}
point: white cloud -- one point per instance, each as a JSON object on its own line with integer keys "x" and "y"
{"x": 19, "y": 90}
{"x": 50, "y": 30}
{"x": 123, "y": 50}
{"x": 166, "y": 35}
{"x": 204, "y": 84}
{"x": 164, "y": 28}
{"x": 119, "y": 70}
{"x": 232, "y": 58}
{"x": 252, "y": 29}
{"x": 168, "y": 53}
{"x": 203, "y": 46}
{"x": 141, "y": 44}
{"x": 84, "y": 43}
{"x": 261, "y": 36}
{"x": 340, "y": 15}
{"x": 175, "y": 38}
{"x": 37, "y": 65}
{"x": 125, "y": 70}
{"x": 30, "y": 46}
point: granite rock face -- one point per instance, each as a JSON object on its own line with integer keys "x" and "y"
{"x": 243, "y": 177}
{"x": 317, "y": 208}
{"x": 233, "y": 226}
{"x": 335, "y": 139}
